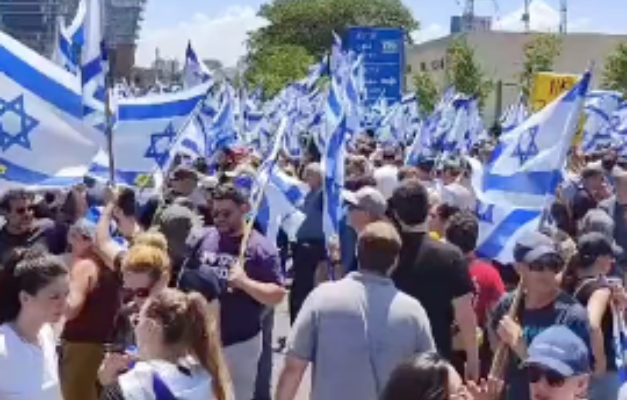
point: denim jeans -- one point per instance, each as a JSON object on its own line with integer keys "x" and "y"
{"x": 264, "y": 366}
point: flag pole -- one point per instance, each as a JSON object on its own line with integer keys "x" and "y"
{"x": 109, "y": 122}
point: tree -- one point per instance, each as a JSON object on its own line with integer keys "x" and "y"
{"x": 615, "y": 71}
{"x": 464, "y": 72}
{"x": 310, "y": 23}
{"x": 540, "y": 54}
{"x": 276, "y": 66}
{"x": 426, "y": 92}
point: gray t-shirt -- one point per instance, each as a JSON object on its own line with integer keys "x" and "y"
{"x": 355, "y": 332}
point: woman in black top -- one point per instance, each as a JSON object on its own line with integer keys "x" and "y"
{"x": 588, "y": 282}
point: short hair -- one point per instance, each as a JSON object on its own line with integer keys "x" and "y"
{"x": 229, "y": 192}
{"x": 407, "y": 172}
{"x": 354, "y": 183}
{"x": 126, "y": 202}
{"x": 147, "y": 259}
{"x": 462, "y": 230}
{"x": 410, "y": 202}
{"x": 378, "y": 247}
{"x": 29, "y": 271}
{"x": 15, "y": 194}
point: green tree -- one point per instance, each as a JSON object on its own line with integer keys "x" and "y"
{"x": 310, "y": 23}
{"x": 276, "y": 66}
{"x": 464, "y": 72}
{"x": 540, "y": 54}
{"x": 426, "y": 92}
{"x": 615, "y": 71}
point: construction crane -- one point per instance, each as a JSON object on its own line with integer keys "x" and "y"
{"x": 526, "y": 17}
{"x": 468, "y": 16}
{"x": 563, "y": 17}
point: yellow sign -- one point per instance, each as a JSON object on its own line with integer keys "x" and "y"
{"x": 548, "y": 86}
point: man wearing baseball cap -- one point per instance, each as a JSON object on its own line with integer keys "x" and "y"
{"x": 538, "y": 262}
{"x": 558, "y": 365}
{"x": 365, "y": 206}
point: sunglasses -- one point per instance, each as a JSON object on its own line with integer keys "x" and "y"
{"x": 535, "y": 375}
{"x": 129, "y": 294}
{"x": 24, "y": 210}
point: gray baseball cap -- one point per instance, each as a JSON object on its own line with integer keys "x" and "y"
{"x": 367, "y": 199}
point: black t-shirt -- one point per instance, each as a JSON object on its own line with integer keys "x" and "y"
{"x": 585, "y": 290}
{"x": 39, "y": 236}
{"x": 434, "y": 273}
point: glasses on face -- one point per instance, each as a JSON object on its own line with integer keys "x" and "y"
{"x": 129, "y": 294}
{"x": 535, "y": 375}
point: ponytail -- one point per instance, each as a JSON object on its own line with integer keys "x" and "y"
{"x": 206, "y": 344}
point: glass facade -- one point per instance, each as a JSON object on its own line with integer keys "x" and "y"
{"x": 33, "y": 22}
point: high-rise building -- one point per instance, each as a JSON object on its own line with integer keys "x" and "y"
{"x": 33, "y": 22}
{"x": 122, "y": 24}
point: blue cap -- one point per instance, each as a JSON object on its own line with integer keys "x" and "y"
{"x": 559, "y": 349}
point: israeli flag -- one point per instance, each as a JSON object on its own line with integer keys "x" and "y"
{"x": 515, "y": 114}
{"x": 599, "y": 108}
{"x": 70, "y": 39}
{"x": 195, "y": 71}
{"x": 521, "y": 179}
{"x": 619, "y": 334}
{"x": 146, "y": 131}
{"x": 43, "y": 142}
{"x": 93, "y": 66}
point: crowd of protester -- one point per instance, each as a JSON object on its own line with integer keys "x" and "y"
{"x": 105, "y": 295}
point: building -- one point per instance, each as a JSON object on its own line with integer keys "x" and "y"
{"x": 33, "y": 22}
{"x": 122, "y": 25}
{"x": 501, "y": 55}
{"x": 474, "y": 23}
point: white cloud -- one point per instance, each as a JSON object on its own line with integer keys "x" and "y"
{"x": 543, "y": 18}
{"x": 431, "y": 32}
{"x": 222, "y": 37}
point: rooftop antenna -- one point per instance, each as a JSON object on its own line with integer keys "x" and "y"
{"x": 526, "y": 17}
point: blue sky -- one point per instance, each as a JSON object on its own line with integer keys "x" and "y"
{"x": 218, "y": 28}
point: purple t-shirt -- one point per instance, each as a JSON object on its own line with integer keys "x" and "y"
{"x": 240, "y": 314}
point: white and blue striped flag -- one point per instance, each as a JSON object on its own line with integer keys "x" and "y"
{"x": 70, "y": 40}
{"x": 43, "y": 141}
{"x": 195, "y": 71}
{"x": 147, "y": 129}
{"x": 526, "y": 167}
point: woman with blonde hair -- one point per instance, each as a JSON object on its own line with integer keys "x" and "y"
{"x": 179, "y": 354}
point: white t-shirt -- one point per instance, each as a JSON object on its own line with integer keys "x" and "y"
{"x": 27, "y": 371}
{"x": 387, "y": 180}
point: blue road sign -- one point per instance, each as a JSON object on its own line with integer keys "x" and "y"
{"x": 383, "y": 50}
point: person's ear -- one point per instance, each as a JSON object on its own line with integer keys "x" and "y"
{"x": 245, "y": 208}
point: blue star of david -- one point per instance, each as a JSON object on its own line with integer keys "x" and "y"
{"x": 531, "y": 149}
{"x": 153, "y": 150}
{"x": 27, "y": 124}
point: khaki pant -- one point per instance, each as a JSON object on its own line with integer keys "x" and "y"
{"x": 79, "y": 370}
